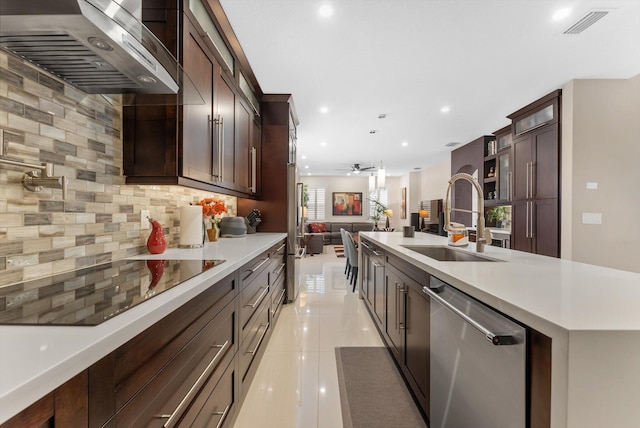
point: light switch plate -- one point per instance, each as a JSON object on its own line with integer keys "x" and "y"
{"x": 591, "y": 218}
{"x": 144, "y": 219}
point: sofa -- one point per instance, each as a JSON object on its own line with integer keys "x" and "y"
{"x": 330, "y": 231}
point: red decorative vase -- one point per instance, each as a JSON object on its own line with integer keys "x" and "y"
{"x": 157, "y": 243}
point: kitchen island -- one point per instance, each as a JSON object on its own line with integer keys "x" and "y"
{"x": 591, "y": 315}
{"x": 35, "y": 360}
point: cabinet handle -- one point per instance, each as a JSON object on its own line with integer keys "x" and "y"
{"x": 258, "y": 267}
{"x": 527, "y": 189}
{"x": 510, "y": 192}
{"x": 177, "y": 413}
{"x": 281, "y": 297}
{"x": 277, "y": 305}
{"x": 365, "y": 245}
{"x": 281, "y": 247}
{"x": 533, "y": 180}
{"x": 376, "y": 264}
{"x": 219, "y": 121}
{"x": 252, "y": 271}
{"x": 252, "y": 155}
{"x": 531, "y": 217}
{"x": 526, "y": 223}
{"x": 397, "y": 305}
{"x": 266, "y": 327}
{"x": 211, "y": 123}
{"x": 259, "y": 299}
{"x": 223, "y": 415}
{"x": 281, "y": 267}
{"x": 377, "y": 253}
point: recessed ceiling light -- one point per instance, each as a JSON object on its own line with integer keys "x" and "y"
{"x": 445, "y": 109}
{"x": 306, "y": 167}
{"x": 405, "y": 144}
{"x": 304, "y": 156}
{"x": 561, "y": 14}
{"x": 308, "y": 173}
{"x": 324, "y": 143}
{"x": 324, "y": 109}
{"x": 325, "y": 11}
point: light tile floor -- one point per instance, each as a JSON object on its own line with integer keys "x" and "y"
{"x": 296, "y": 384}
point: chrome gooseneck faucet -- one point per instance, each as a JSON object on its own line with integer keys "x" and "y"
{"x": 481, "y": 237}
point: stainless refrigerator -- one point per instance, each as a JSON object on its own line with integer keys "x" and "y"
{"x": 294, "y": 230}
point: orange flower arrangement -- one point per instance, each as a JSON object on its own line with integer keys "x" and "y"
{"x": 212, "y": 207}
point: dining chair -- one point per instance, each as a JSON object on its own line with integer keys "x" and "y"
{"x": 347, "y": 268}
{"x": 353, "y": 258}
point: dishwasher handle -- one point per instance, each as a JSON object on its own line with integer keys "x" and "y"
{"x": 496, "y": 339}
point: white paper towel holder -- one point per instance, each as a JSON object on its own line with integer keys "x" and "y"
{"x": 199, "y": 244}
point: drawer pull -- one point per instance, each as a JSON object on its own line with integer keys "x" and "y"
{"x": 377, "y": 253}
{"x": 186, "y": 401}
{"x": 281, "y": 267}
{"x": 266, "y": 327}
{"x": 281, "y": 247}
{"x": 281, "y": 296}
{"x": 259, "y": 299}
{"x": 223, "y": 415}
{"x": 365, "y": 245}
{"x": 277, "y": 305}
{"x": 258, "y": 267}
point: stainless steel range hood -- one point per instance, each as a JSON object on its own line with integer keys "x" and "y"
{"x": 98, "y": 46}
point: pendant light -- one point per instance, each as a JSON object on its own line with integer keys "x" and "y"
{"x": 381, "y": 177}
{"x": 372, "y": 183}
{"x": 381, "y": 172}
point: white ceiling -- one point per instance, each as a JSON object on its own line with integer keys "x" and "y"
{"x": 484, "y": 59}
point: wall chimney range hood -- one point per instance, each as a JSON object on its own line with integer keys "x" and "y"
{"x": 98, "y": 46}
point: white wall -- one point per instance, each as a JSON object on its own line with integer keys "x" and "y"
{"x": 358, "y": 184}
{"x": 601, "y": 144}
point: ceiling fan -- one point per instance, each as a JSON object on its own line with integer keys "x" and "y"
{"x": 357, "y": 168}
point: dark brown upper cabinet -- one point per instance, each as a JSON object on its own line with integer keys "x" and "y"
{"x": 212, "y": 145}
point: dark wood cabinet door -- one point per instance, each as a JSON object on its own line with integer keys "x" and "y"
{"x": 545, "y": 227}
{"x": 225, "y": 130}
{"x": 417, "y": 341}
{"x": 394, "y": 302}
{"x": 522, "y": 154}
{"x": 520, "y": 225}
{"x": 545, "y": 168}
{"x": 242, "y": 148}
{"x": 197, "y": 141}
{"x": 379, "y": 289}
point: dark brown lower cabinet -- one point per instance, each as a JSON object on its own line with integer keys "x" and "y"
{"x": 407, "y": 326}
{"x": 67, "y": 406}
{"x": 190, "y": 369}
{"x": 406, "y": 331}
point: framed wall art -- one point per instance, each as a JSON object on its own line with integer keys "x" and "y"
{"x": 347, "y": 203}
{"x": 403, "y": 204}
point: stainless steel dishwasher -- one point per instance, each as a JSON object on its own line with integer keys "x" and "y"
{"x": 478, "y": 363}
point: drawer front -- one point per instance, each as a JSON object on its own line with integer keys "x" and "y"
{"x": 279, "y": 250}
{"x": 143, "y": 356}
{"x": 166, "y": 398}
{"x": 216, "y": 404}
{"x": 252, "y": 297}
{"x": 277, "y": 299}
{"x": 251, "y": 270}
{"x": 253, "y": 339}
{"x": 277, "y": 269}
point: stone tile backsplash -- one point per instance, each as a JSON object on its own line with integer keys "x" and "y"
{"x": 43, "y": 119}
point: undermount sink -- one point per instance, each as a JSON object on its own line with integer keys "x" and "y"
{"x": 448, "y": 254}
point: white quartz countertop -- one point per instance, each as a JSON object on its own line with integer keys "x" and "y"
{"x": 536, "y": 290}
{"x": 34, "y": 360}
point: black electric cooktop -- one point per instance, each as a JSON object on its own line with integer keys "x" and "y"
{"x": 93, "y": 295}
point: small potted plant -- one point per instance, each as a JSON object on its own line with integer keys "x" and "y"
{"x": 213, "y": 208}
{"x": 498, "y": 214}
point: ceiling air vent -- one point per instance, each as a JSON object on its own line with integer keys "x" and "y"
{"x": 586, "y": 21}
{"x": 451, "y": 144}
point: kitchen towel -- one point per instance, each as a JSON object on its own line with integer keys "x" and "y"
{"x": 191, "y": 227}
